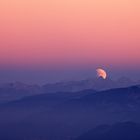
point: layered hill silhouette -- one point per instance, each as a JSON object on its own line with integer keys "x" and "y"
{"x": 67, "y": 115}
{"x": 94, "y": 83}
{"x": 18, "y": 90}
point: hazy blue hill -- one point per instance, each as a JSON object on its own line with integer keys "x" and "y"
{"x": 18, "y": 90}
{"x": 124, "y": 81}
{"x": 118, "y": 131}
{"x": 74, "y": 86}
{"x": 94, "y": 83}
{"x": 47, "y": 98}
{"x": 19, "y": 109}
{"x": 66, "y": 115}
{"x": 119, "y": 95}
{"x": 119, "y": 99}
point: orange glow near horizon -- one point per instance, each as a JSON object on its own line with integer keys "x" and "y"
{"x": 53, "y": 32}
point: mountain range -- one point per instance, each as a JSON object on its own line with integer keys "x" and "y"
{"x": 18, "y": 90}
{"x": 70, "y": 115}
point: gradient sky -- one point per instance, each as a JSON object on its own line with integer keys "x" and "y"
{"x": 38, "y": 35}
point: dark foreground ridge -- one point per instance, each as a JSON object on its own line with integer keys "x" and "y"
{"x": 118, "y": 131}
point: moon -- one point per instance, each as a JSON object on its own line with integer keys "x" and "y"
{"x": 101, "y": 73}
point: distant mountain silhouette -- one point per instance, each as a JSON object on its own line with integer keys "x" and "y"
{"x": 18, "y": 90}
{"x": 118, "y": 131}
{"x": 95, "y": 83}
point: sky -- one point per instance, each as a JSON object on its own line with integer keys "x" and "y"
{"x": 65, "y": 39}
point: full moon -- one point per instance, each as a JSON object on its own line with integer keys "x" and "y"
{"x": 101, "y": 73}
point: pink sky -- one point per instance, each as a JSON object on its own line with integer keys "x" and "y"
{"x": 69, "y": 32}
